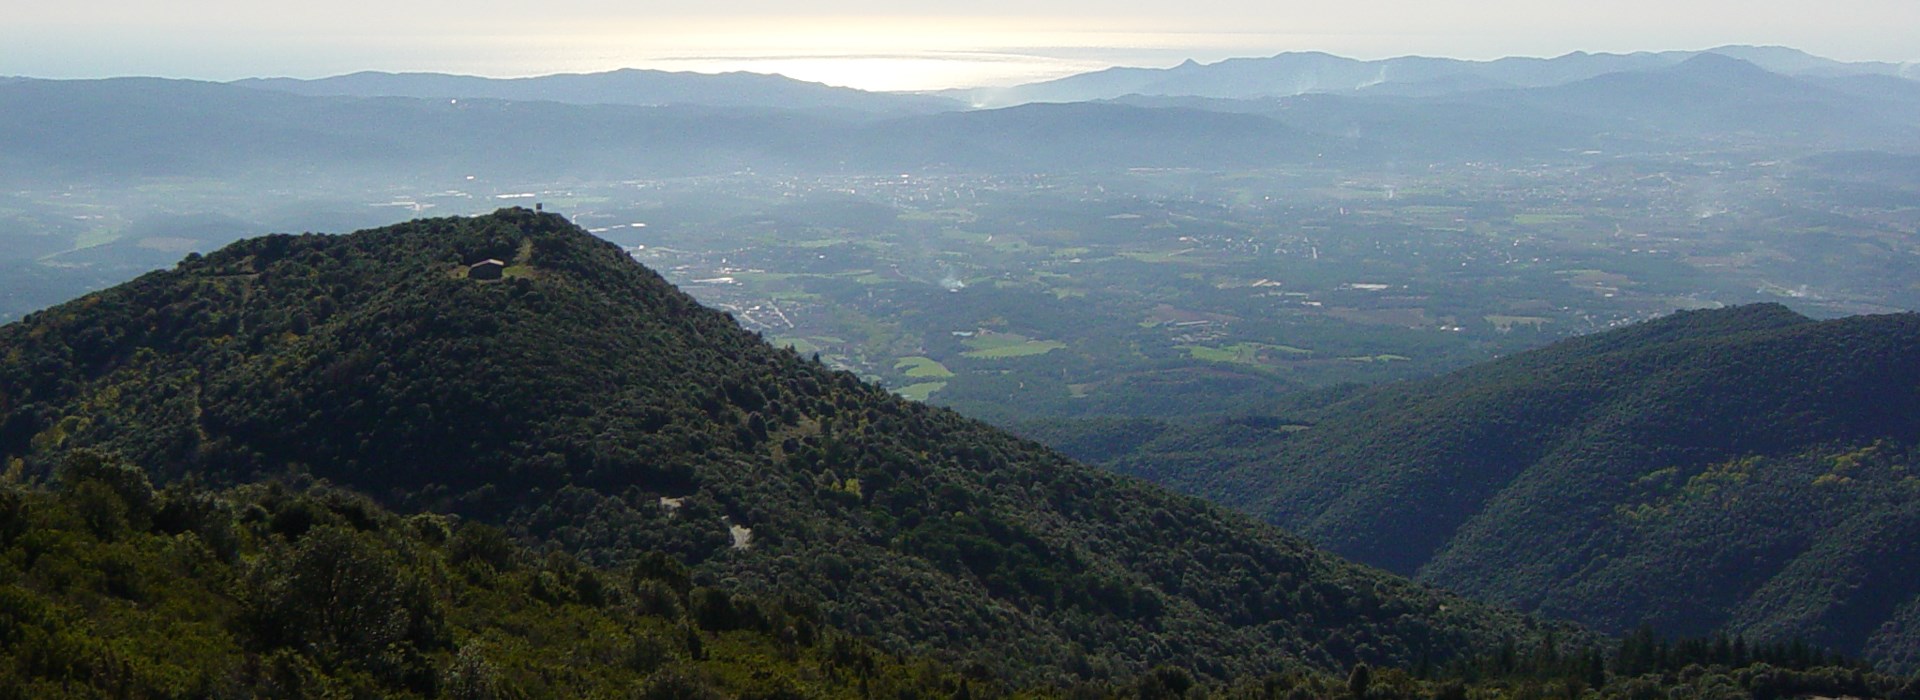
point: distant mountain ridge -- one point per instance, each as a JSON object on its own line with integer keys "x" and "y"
{"x": 1706, "y": 100}
{"x": 629, "y": 86}
{"x": 122, "y": 130}
{"x": 117, "y": 129}
{"x": 130, "y": 128}
{"x": 1290, "y": 74}
{"x": 1720, "y": 97}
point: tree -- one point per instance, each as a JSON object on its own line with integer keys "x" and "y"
{"x": 336, "y": 595}
{"x": 111, "y": 495}
{"x": 1359, "y": 680}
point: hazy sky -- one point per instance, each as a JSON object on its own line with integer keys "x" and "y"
{"x": 894, "y": 44}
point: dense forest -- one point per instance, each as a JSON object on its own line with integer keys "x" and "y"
{"x": 1745, "y": 470}
{"x": 115, "y": 589}
{"x": 112, "y": 588}
{"x": 583, "y": 404}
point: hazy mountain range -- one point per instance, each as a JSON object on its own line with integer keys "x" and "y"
{"x": 1290, "y": 74}
{"x": 111, "y": 130}
{"x": 104, "y": 130}
{"x": 1282, "y": 75}
{"x": 621, "y": 87}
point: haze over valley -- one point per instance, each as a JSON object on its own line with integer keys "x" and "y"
{"x": 1231, "y": 236}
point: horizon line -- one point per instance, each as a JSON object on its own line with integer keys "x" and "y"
{"x": 949, "y": 56}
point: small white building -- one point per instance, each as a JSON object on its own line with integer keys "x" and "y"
{"x": 488, "y": 269}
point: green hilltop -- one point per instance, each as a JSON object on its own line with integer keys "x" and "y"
{"x": 587, "y": 405}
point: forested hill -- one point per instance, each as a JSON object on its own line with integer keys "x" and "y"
{"x": 1745, "y": 469}
{"x": 114, "y": 589}
{"x": 583, "y": 401}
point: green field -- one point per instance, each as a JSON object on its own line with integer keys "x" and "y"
{"x": 1377, "y": 358}
{"x": 748, "y": 277}
{"x": 1158, "y": 257}
{"x": 921, "y": 391}
{"x": 799, "y": 345}
{"x": 1242, "y": 353}
{"x": 97, "y": 236}
{"x": 993, "y": 346}
{"x": 922, "y": 367}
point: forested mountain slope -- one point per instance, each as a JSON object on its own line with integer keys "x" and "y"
{"x": 584, "y": 401}
{"x": 109, "y": 588}
{"x": 1745, "y": 469}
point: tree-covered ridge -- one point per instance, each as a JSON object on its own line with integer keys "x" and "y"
{"x": 584, "y": 401}
{"x": 1744, "y": 469}
{"x": 109, "y": 588}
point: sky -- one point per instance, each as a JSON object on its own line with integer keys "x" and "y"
{"x": 889, "y": 45}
